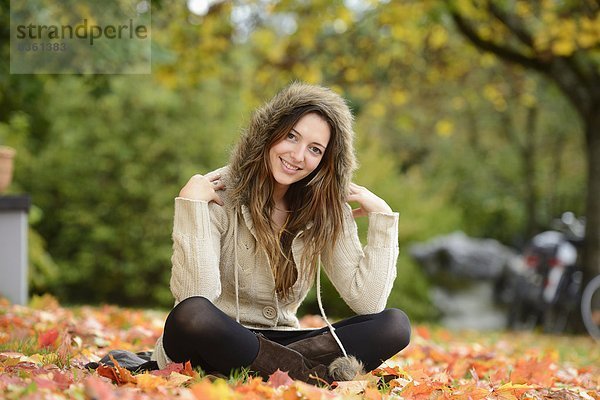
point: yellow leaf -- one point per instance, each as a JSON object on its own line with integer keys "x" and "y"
{"x": 399, "y": 97}
{"x": 528, "y": 100}
{"x": 587, "y": 40}
{"x": 444, "y": 128}
{"x": 176, "y": 379}
{"x": 149, "y": 382}
{"x": 438, "y": 37}
{"x": 563, "y": 47}
{"x": 351, "y": 75}
{"x": 349, "y": 388}
{"x": 523, "y": 9}
{"x": 377, "y": 109}
{"x": 218, "y": 390}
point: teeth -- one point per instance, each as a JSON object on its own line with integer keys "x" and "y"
{"x": 289, "y": 165}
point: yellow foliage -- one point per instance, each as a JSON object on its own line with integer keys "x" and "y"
{"x": 563, "y": 47}
{"x": 468, "y": 9}
{"x": 398, "y": 32}
{"x": 589, "y": 35}
{"x": 495, "y": 96}
{"x": 528, "y": 100}
{"x": 487, "y": 60}
{"x": 313, "y": 74}
{"x": 376, "y": 109}
{"x": 383, "y": 60}
{"x": 541, "y": 41}
{"x": 491, "y": 92}
{"x": 523, "y": 9}
{"x": 438, "y": 37}
{"x": 351, "y": 75}
{"x": 444, "y": 128}
{"x": 307, "y": 40}
{"x": 399, "y": 97}
{"x": 363, "y": 91}
{"x": 485, "y": 32}
{"x": 458, "y": 103}
{"x": 587, "y": 40}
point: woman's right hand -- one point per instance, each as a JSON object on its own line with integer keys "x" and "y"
{"x": 203, "y": 187}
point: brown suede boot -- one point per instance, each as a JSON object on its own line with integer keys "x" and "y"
{"x": 272, "y": 356}
{"x": 323, "y": 349}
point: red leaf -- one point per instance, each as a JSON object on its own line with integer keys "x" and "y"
{"x": 183, "y": 369}
{"x": 279, "y": 378}
{"x": 166, "y": 371}
{"x": 96, "y": 388}
{"x": 47, "y": 339}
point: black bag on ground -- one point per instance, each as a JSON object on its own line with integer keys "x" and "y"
{"x": 134, "y": 362}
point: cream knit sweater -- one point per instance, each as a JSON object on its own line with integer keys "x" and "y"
{"x": 207, "y": 242}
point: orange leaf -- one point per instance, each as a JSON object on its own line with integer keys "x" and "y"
{"x": 117, "y": 374}
{"x": 107, "y": 372}
{"x": 279, "y": 378}
{"x": 532, "y": 370}
{"x": 510, "y": 391}
{"x": 124, "y": 374}
{"x": 188, "y": 370}
{"x": 205, "y": 390}
{"x": 47, "y": 339}
{"x": 255, "y": 388}
{"x": 423, "y": 332}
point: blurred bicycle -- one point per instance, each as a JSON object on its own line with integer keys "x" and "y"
{"x": 547, "y": 290}
{"x": 590, "y": 307}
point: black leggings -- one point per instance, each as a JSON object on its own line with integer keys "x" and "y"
{"x": 197, "y": 331}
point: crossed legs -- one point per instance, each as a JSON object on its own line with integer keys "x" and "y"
{"x": 198, "y": 331}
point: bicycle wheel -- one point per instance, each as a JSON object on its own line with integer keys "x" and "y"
{"x": 590, "y": 307}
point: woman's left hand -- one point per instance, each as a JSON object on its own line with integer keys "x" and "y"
{"x": 367, "y": 200}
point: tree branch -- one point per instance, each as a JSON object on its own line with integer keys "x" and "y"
{"x": 506, "y": 53}
{"x": 512, "y": 23}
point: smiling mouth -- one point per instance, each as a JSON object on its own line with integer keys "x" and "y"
{"x": 289, "y": 166}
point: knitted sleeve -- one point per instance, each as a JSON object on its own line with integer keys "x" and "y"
{"x": 197, "y": 229}
{"x": 364, "y": 277}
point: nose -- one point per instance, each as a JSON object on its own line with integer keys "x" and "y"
{"x": 297, "y": 153}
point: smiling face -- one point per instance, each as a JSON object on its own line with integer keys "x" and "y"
{"x": 301, "y": 150}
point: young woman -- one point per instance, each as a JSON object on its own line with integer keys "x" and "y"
{"x": 250, "y": 240}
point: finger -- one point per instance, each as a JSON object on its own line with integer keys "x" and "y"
{"x": 217, "y": 199}
{"x": 213, "y": 177}
{"x": 352, "y": 197}
{"x": 358, "y": 212}
{"x": 218, "y": 185}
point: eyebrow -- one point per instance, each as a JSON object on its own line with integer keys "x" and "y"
{"x": 317, "y": 143}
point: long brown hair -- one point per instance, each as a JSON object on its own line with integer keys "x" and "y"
{"x": 316, "y": 203}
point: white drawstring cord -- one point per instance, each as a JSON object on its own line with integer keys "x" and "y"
{"x": 235, "y": 268}
{"x": 331, "y": 328}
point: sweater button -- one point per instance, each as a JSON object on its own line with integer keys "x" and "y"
{"x": 269, "y": 312}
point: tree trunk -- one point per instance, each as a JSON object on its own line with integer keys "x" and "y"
{"x": 591, "y": 251}
{"x": 529, "y": 159}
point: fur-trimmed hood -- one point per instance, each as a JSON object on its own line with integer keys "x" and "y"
{"x": 267, "y": 118}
